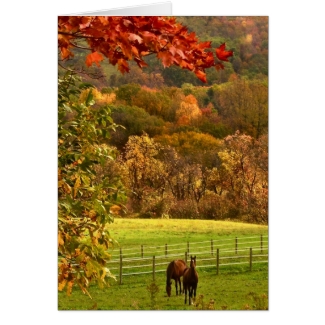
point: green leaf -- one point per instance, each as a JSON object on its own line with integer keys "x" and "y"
{"x": 67, "y": 108}
{"x": 89, "y": 98}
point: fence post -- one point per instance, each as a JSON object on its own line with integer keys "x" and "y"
{"x": 120, "y": 266}
{"x": 153, "y": 268}
{"x": 217, "y": 261}
{"x": 165, "y": 249}
{"x": 261, "y": 244}
{"x": 141, "y": 251}
{"x": 236, "y": 245}
{"x": 211, "y": 246}
{"x": 250, "y": 258}
{"x": 186, "y": 257}
{"x": 188, "y": 247}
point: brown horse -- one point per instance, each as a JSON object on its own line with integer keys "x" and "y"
{"x": 175, "y": 271}
{"x": 190, "y": 281}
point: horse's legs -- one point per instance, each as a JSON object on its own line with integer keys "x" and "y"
{"x": 190, "y": 295}
{"x": 176, "y": 280}
{"x": 185, "y": 289}
{"x": 180, "y": 286}
{"x": 194, "y": 289}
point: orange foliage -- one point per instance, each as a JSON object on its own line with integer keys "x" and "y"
{"x": 152, "y": 90}
{"x": 183, "y": 120}
{"x": 190, "y": 99}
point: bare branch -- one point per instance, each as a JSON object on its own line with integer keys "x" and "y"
{"x": 91, "y": 75}
{"x": 76, "y": 35}
{"x": 80, "y": 47}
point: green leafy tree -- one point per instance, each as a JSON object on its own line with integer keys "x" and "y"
{"x": 126, "y": 92}
{"x": 135, "y": 121}
{"x": 154, "y": 102}
{"x": 243, "y": 105}
{"x": 84, "y": 198}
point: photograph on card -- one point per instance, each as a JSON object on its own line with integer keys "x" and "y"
{"x": 163, "y": 163}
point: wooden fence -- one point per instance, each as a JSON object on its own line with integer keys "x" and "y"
{"x": 209, "y": 254}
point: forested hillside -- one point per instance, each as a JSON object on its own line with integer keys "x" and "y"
{"x": 188, "y": 149}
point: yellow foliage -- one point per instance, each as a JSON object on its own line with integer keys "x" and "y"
{"x": 76, "y": 186}
{"x": 92, "y": 214}
{"x": 249, "y": 38}
{"x": 69, "y": 288}
{"x": 189, "y": 108}
{"x": 66, "y": 187}
{"x": 60, "y": 239}
{"x": 98, "y": 96}
{"x": 62, "y": 284}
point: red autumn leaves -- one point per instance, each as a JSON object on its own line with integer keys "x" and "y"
{"x": 121, "y": 39}
{"x": 222, "y": 55}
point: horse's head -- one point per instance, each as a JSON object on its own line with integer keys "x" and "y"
{"x": 168, "y": 289}
{"x": 193, "y": 261}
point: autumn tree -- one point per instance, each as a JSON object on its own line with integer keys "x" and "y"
{"x": 188, "y": 112}
{"x": 144, "y": 172}
{"x": 121, "y": 39}
{"x": 259, "y": 110}
{"x": 99, "y": 97}
{"x": 243, "y": 105}
{"x": 196, "y": 147}
{"x": 243, "y": 176}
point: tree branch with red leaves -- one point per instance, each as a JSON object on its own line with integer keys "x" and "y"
{"x": 127, "y": 38}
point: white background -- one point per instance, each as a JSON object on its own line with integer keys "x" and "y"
{"x": 28, "y": 163}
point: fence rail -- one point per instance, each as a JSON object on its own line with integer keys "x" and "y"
{"x": 209, "y": 254}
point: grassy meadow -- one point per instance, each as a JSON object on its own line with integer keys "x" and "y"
{"x": 234, "y": 288}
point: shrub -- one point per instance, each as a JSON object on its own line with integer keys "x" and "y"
{"x": 184, "y": 209}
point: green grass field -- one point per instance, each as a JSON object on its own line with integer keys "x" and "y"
{"x": 236, "y": 287}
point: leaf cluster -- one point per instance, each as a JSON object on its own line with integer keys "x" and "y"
{"x": 121, "y": 39}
